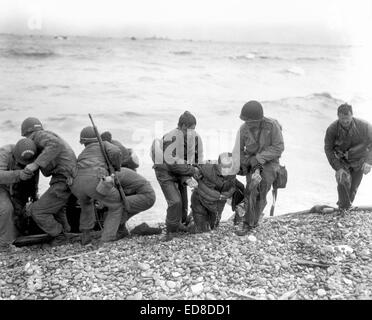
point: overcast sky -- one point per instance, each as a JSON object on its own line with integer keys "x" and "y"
{"x": 312, "y": 21}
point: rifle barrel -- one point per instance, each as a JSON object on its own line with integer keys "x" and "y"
{"x": 111, "y": 170}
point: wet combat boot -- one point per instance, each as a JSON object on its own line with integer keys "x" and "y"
{"x": 182, "y": 228}
{"x": 244, "y": 230}
{"x": 122, "y": 232}
{"x": 61, "y": 217}
{"x": 59, "y": 240}
{"x": 86, "y": 237}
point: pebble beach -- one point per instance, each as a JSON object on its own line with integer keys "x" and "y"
{"x": 290, "y": 257}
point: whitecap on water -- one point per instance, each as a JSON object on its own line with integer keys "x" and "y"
{"x": 296, "y": 70}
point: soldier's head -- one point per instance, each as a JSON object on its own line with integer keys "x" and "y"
{"x": 252, "y": 113}
{"x": 25, "y": 151}
{"x": 29, "y": 125}
{"x": 345, "y": 114}
{"x": 106, "y": 136}
{"x": 187, "y": 121}
{"x": 225, "y": 163}
{"x": 87, "y": 136}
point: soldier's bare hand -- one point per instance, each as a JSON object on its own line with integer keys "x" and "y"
{"x": 32, "y": 167}
{"x": 25, "y": 175}
{"x": 192, "y": 183}
{"x": 256, "y": 177}
{"x": 366, "y": 168}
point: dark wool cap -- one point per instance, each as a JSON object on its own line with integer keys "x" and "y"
{"x": 106, "y": 136}
{"x": 187, "y": 119}
{"x": 25, "y": 151}
{"x": 252, "y": 110}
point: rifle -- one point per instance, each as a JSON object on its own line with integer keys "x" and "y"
{"x": 112, "y": 172}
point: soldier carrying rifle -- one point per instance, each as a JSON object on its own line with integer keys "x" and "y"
{"x": 99, "y": 177}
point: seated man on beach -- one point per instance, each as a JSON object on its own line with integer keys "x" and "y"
{"x": 216, "y": 184}
{"x": 92, "y": 182}
{"x": 173, "y": 157}
{"x": 128, "y": 158}
{"x": 258, "y": 147}
{"x": 16, "y": 186}
{"x": 348, "y": 146}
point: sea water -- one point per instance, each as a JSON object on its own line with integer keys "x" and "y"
{"x": 137, "y": 89}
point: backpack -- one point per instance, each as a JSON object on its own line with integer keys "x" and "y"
{"x": 280, "y": 181}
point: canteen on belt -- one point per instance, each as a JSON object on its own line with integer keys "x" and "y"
{"x": 105, "y": 185}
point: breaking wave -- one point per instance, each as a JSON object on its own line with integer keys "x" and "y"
{"x": 248, "y": 56}
{"x": 295, "y": 70}
{"x": 252, "y": 56}
{"x": 9, "y": 125}
{"x": 182, "y": 53}
{"x": 30, "y": 52}
{"x": 313, "y": 59}
{"x": 308, "y": 104}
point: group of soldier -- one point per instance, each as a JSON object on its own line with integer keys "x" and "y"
{"x": 178, "y": 164}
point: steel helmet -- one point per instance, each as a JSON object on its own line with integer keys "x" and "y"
{"x": 30, "y": 125}
{"x": 88, "y": 135}
{"x": 252, "y": 110}
{"x": 25, "y": 151}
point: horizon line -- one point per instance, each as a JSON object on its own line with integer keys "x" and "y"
{"x": 165, "y": 38}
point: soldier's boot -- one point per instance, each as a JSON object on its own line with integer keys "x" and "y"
{"x": 59, "y": 240}
{"x": 182, "y": 228}
{"x": 61, "y": 217}
{"x": 169, "y": 236}
{"x": 122, "y": 232}
{"x": 244, "y": 230}
{"x": 170, "y": 233}
{"x": 86, "y": 237}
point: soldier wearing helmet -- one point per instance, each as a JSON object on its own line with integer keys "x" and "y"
{"x": 58, "y": 160}
{"x": 258, "y": 147}
{"x": 16, "y": 186}
{"x": 92, "y": 182}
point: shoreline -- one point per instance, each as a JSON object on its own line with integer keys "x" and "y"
{"x": 292, "y": 256}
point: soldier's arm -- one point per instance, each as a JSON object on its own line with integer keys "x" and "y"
{"x": 329, "y": 141}
{"x": 34, "y": 195}
{"x": 212, "y": 194}
{"x": 369, "y": 141}
{"x": 277, "y": 146}
{"x": 229, "y": 193}
{"x": 7, "y": 176}
{"x": 51, "y": 147}
{"x": 182, "y": 169}
{"x": 199, "y": 149}
{"x": 238, "y": 152}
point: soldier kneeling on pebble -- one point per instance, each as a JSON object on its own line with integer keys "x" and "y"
{"x": 216, "y": 184}
{"x": 92, "y": 182}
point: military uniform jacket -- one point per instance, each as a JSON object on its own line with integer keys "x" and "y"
{"x": 268, "y": 143}
{"x": 212, "y": 184}
{"x": 56, "y": 157}
{"x": 92, "y": 159}
{"x": 9, "y": 176}
{"x": 339, "y": 140}
{"x": 178, "y": 155}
